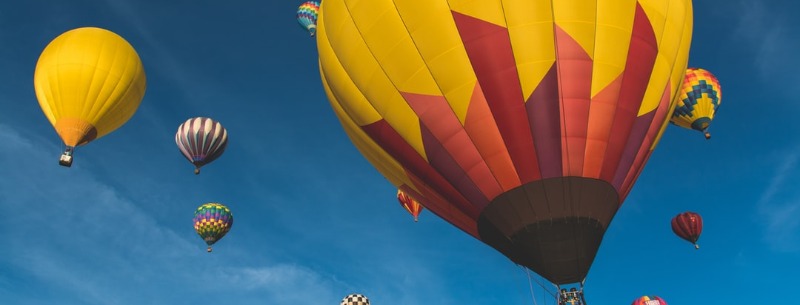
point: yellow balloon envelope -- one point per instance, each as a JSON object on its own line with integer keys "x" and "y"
{"x": 89, "y": 82}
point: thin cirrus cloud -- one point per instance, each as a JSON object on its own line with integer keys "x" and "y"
{"x": 766, "y": 31}
{"x": 779, "y": 209}
{"x": 93, "y": 246}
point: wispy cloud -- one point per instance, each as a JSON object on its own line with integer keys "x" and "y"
{"x": 779, "y": 210}
{"x": 765, "y": 29}
{"x": 77, "y": 236}
{"x": 281, "y": 283}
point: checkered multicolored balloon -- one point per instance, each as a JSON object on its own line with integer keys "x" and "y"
{"x": 355, "y": 299}
{"x": 212, "y": 221}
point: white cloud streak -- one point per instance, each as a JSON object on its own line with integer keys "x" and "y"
{"x": 766, "y": 31}
{"x": 778, "y": 211}
{"x": 76, "y": 236}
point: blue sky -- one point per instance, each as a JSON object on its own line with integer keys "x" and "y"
{"x": 314, "y": 221}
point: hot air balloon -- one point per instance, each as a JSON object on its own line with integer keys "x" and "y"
{"x": 523, "y": 123}
{"x": 412, "y": 206}
{"x": 307, "y": 16}
{"x": 698, "y": 101}
{"x": 649, "y": 300}
{"x": 212, "y": 221}
{"x": 201, "y": 140}
{"x": 355, "y": 299}
{"x": 688, "y": 225}
{"x": 89, "y": 81}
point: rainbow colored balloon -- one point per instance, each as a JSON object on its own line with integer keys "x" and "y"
{"x": 698, "y": 101}
{"x": 307, "y": 16}
{"x": 649, "y": 300}
{"x": 212, "y": 221}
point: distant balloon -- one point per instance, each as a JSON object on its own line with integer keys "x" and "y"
{"x": 355, "y": 299}
{"x": 412, "y": 206}
{"x": 649, "y": 300}
{"x": 307, "y": 16}
{"x": 688, "y": 225}
{"x": 89, "y": 81}
{"x": 698, "y": 101}
{"x": 201, "y": 140}
{"x": 212, "y": 221}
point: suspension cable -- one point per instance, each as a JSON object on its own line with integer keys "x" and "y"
{"x": 530, "y": 285}
{"x": 538, "y": 282}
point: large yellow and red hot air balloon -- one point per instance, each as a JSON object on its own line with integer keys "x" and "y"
{"x": 525, "y": 123}
{"x": 89, "y": 82}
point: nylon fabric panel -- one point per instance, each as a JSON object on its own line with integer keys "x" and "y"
{"x": 544, "y": 113}
{"x": 681, "y": 57}
{"x": 449, "y": 65}
{"x": 574, "y": 81}
{"x": 458, "y": 155}
{"x": 614, "y": 23}
{"x": 577, "y": 18}
{"x": 388, "y": 138}
{"x": 397, "y": 57}
{"x": 486, "y": 10}
{"x": 644, "y": 153}
{"x": 339, "y": 82}
{"x": 489, "y": 50}
{"x": 530, "y": 27}
{"x": 673, "y": 42}
{"x": 326, "y": 50}
{"x": 376, "y": 156}
{"x": 482, "y": 129}
{"x": 612, "y": 38}
{"x": 397, "y": 175}
{"x": 451, "y": 151}
{"x": 641, "y": 55}
{"x": 349, "y": 50}
{"x": 440, "y": 206}
{"x": 442, "y": 51}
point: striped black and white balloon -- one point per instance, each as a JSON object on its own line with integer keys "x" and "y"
{"x": 355, "y": 299}
{"x": 201, "y": 140}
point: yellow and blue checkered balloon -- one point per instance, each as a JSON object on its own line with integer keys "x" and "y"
{"x": 212, "y": 221}
{"x": 698, "y": 101}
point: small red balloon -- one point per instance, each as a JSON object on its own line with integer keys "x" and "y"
{"x": 688, "y": 225}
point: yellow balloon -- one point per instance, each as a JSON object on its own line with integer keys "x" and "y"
{"x": 89, "y": 81}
